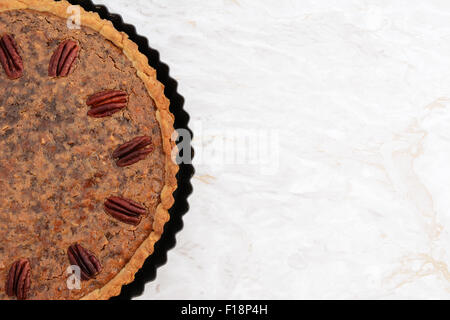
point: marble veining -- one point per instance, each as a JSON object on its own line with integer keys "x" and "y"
{"x": 354, "y": 97}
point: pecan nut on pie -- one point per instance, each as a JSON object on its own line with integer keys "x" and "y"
{"x": 86, "y": 172}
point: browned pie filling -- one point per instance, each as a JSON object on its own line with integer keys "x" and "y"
{"x": 81, "y": 160}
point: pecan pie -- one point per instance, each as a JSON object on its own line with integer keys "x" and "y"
{"x": 86, "y": 168}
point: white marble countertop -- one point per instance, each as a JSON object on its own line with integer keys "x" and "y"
{"x": 342, "y": 188}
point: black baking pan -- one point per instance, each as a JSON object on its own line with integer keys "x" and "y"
{"x": 181, "y": 206}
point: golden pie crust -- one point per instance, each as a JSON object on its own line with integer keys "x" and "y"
{"x": 164, "y": 117}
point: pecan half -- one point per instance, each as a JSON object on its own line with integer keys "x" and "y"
{"x": 86, "y": 260}
{"x": 10, "y": 58}
{"x": 133, "y": 151}
{"x": 105, "y": 103}
{"x": 63, "y": 58}
{"x": 18, "y": 280}
{"x": 124, "y": 210}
